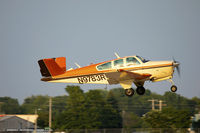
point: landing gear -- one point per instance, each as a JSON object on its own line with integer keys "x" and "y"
{"x": 173, "y": 87}
{"x": 140, "y": 90}
{"x": 129, "y": 92}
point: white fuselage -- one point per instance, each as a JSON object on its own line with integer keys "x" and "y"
{"x": 160, "y": 70}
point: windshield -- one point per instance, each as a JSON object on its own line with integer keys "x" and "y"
{"x": 142, "y": 59}
{"x": 132, "y": 61}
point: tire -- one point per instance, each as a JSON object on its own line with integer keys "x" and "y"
{"x": 140, "y": 90}
{"x": 129, "y": 92}
{"x": 173, "y": 88}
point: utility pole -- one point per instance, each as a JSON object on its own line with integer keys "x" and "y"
{"x": 161, "y": 104}
{"x": 153, "y": 103}
{"x": 50, "y": 110}
{"x": 35, "y": 127}
{"x": 36, "y": 115}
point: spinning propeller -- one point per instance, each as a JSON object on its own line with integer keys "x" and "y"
{"x": 176, "y": 65}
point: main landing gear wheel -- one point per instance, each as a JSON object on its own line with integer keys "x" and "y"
{"x": 173, "y": 88}
{"x": 129, "y": 92}
{"x": 140, "y": 90}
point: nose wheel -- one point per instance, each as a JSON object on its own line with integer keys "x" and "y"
{"x": 173, "y": 87}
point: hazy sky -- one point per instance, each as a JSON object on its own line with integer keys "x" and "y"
{"x": 88, "y": 31}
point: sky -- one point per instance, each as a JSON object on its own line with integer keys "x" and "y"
{"x": 90, "y": 31}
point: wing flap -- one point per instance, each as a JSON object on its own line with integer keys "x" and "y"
{"x": 136, "y": 76}
{"x": 123, "y": 75}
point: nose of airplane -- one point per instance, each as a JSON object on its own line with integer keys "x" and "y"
{"x": 176, "y": 64}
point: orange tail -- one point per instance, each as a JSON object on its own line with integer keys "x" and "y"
{"x": 52, "y": 66}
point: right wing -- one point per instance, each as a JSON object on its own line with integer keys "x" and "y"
{"x": 126, "y": 78}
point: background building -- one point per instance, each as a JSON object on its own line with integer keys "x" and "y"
{"x": 17, "y": 122}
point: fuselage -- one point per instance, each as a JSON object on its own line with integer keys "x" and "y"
{"x": 95, "y": 73}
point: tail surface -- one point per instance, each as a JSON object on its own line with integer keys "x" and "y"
{"x": 52, "y": 66}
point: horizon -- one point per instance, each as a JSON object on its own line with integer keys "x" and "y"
{"x": 21, "y": 101}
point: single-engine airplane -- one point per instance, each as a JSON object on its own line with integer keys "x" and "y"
{"x": 123, "y": 71}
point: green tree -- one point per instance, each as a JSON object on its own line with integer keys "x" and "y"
{"x": 131, "y": 120}
{"x": 43, "y": 119}
{"x": 197, "y": 103}
{"x": 168, "y": 118}
{"x": 73, "y": 116}
{"x": 197, "y": 100}
{"x": 88, "y": 110}
{"x": 196, "y": 125}
{"x": 179, "y": 102}
{"x": 116, "y": 114}
{"x": 35, "y": 102}
{"x": 9, "y": 106}
{"x": 40, "y": 104}
{"x": 111, "y": 99}
{"x": 105, "y": 113}
{"x": 58, "y": 107}
{"x": 58, "y": 103}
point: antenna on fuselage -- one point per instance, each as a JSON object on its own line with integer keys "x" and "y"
{"x": 117, "y": 55}
{"x": 77, "y": 65}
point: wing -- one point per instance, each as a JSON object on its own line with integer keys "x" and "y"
{"x": 126, "y": 78}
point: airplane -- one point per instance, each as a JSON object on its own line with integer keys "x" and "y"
{"x": 122, "y": 70}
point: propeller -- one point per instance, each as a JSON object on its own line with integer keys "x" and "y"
{"x": 176, "y": 65}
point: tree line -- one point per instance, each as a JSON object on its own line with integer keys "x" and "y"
{"x": 100, "y": 108}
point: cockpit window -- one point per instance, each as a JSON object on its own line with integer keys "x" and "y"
{"x": 119, "y": 63}
{"x": 142, "y": 59}
{"x": 104, "y": 66}
{"x": 131, "y": 61}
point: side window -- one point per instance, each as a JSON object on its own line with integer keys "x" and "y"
{"x": 104, "y": 66}
{"x": 119, "y": 63}
{"x": 131, "y": 61}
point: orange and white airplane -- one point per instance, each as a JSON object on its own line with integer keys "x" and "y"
{"x": 123, "y": 71}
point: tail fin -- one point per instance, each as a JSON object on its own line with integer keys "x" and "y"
{"x": 52, "y": 66}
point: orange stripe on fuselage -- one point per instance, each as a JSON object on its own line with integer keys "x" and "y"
{"x": 88, "y": 70}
